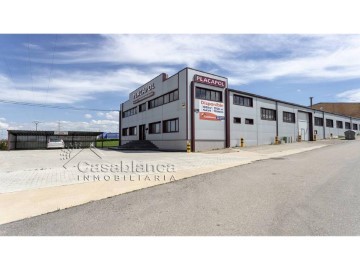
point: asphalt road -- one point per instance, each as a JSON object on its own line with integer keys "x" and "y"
{"x": 312, "y": 193}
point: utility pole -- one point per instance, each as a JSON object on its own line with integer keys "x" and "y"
{"x": 36, "y": 124}
{"x": 59, "y": 125}
{"x": 311, "y": 102}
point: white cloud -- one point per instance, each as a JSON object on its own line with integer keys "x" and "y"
{"x": 71, "y": 87}
{"x": 88, "y": 115}
{"x": 243, "y": 58}
{"x": 350, "y": 95}
{"x": 3, "y": 124}
{"x": 32, "y": 46}
{"x": 112, "y": 115}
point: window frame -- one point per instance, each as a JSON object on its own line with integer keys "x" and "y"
{"x": 165, "y": 122}
{"x": 328, "y": 121}
{"x": 265, "y": 114}
{"x": 338, "y": 122}
{"x": 237, "y": 118}
{"x": 151, "y": 125}
{"x": 131, "y": 131}
{"x": 316, "y": 121}
{"x": 247, "y": 121}
{"x": 202, "y": 93}
{"x": 292, "y": 118}
{"x": 241, "y": 101}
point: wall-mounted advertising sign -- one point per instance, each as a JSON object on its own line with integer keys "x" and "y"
{"x": 210, "y": 81}
{"x": 143, "y": 93}
{"x": 211, "y": 110}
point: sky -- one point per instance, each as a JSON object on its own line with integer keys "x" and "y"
{"x": 99, "y": 71}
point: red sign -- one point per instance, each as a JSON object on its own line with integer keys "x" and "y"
{"x": 210, "y": 81}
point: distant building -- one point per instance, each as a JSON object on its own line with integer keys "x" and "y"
{"x": 351, "y": 109}
{"x": 30, "y": 139}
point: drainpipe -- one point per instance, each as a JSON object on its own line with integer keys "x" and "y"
{"x": 324, "y": 123}
{"x": 277, "y": 119}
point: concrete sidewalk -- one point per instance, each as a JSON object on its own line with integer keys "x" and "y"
{"x": 45, "y": 186}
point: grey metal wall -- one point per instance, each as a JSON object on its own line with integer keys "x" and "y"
{"x": 175, "y": 109}
{"x": 208, "y": 134}
{"x": 212, "y": 134}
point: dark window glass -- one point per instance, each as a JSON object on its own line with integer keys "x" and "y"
{"x": 237, "y": 120}
{"x": 347, "y": 125}
{"x": 268, "y": 114}
{"x": 289, "y": 117}
{"x": 329, "y": 123}
{"x": 132, "y": 131}
{"x": 142, "y": 107}
{"x": 355, "y": 127}
{"x": 249, "y": 121}
{"x": 154, "y": 128}
{"x": 243, "y": 101}
{"x": 208, "y": 94}
{"x": 164, "y": 99}
{"x": 124, "y": 131}
{"x": 171, "y": 125}
{"x": 339, "y": 124}
{"x": 319, "y": 121}
{"x": 176, "y": 94}
{"x": 129, "y": 112}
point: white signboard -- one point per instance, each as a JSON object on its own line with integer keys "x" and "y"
{"x": 211, "y": 110}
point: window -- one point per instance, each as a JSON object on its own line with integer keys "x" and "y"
{"x": 130, "y": 112}
{"x": 329, "y": 123}
{"x": 124, "y": 131}
{"x": 249, "y": 121}
{"x": 142, "y": 107}
{"x": 169, "y": 97}
{"x": 339, "y": 124}
{"x": 355, "y": 127}
{"x": 347, "y": 125}
{"x": 268, "y": 114}
{"x": 132, "y": 131}
{"x": 212, "y": 95}
{"x": 319, "y": 121}
{"x": 154, "y": 128}
{"x": 171, "y": 125}
{"x": 242, "y": 101}
{"x": 237, "y": 120}
{"x": 289, "y": 117}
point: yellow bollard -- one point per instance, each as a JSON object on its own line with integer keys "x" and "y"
{"x": 314, "y": 137}
{"x": 188, "y": 147}
{"x": 276, "y": 140}
{"x": 299, "y": 138}
{"x": 242, "y": 142}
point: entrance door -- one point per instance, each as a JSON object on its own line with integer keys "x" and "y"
{"x": 142, "y": 135}
{"x": 303, "y": 124}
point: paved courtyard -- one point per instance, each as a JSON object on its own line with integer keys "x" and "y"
{"x": 42, "y": 181}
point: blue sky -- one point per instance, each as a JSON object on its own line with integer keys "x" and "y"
{"x": 98, "y": 71}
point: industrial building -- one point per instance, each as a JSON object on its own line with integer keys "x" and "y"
{"x": 31, "y": 139}
{"x": 197, "y": 107}
{"x": 345, "y": 108}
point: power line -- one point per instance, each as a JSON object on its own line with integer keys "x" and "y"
{"x": 54, "y": 106}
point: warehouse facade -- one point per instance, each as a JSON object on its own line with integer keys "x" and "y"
{"x": 198, "y": 107}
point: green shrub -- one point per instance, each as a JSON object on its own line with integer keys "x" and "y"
{"x": 3, "y": 145}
